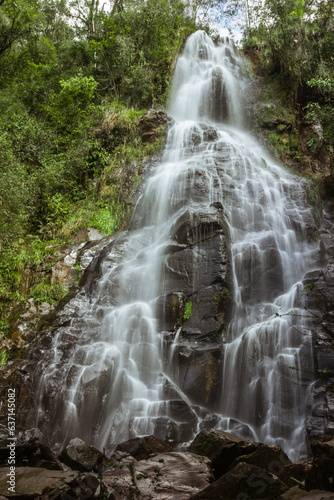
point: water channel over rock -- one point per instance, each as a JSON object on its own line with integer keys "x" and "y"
{"x": 181, "y": 324}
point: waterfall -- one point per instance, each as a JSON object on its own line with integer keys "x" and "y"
{"x": 113, "y": 369}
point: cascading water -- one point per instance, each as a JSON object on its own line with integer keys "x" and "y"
{"x": 111, "y": 374}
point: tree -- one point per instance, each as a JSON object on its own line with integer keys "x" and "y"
{"x": 18, "y": 22}
{"x": 57, "y": 26}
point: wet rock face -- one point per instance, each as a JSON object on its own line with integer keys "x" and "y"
{"x": 23, "y": 375}
{"x": 219, "y": 94}
{"x": 318, "y": 292}
{"x": 164, "y": 477}
{"x": 199, "y": 374}
{"x": 197, "y": 302}
{"x": 74, "y": 259}
{"x": 152, "y": 125}
{"x": 200, "y": 269}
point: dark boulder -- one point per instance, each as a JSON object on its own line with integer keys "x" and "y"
{"x": 321, "y": 473}
{"x": 31, "y": 454}
{"x": 295, "y": 473}
{"x": 179, "y": 425}
{"x": 221, "y": 448}
{"x": 244, "y": 482}
{"x": 266, "y": 456}
{"x": 142, "y": 448}
{"x": 43, "y": 484}
{"x": 80, "y": 456}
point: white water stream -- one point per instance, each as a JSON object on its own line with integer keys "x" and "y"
{"x": 107, "y": 375}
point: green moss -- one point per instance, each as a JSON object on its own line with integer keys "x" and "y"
{"x": 221, "y": 296}
{"x": 187, "y": 312}
{"x": 24, "y": 265}
{"x": 203, "y": 442}
{"x": 312, "y": 194}
{"x": 285, "y": 144}
{"x": 78, "y": 273}
{"x": 278, "y": 121}
{"x": 47, "y": 292}
{"x": 3, "y": 357}
{"x": 141, "y": 476}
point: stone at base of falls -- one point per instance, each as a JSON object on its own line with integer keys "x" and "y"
{"x": 321, "y": 473}
{"x": 221, "y": 448}
{"x": 295, "y": 472}
{"x": 175, "y": 475}
{"x": 298, "y": 494}
{"x": 168, "y": 476}
{"x": 264, "y": 455}
{"x": 34, "y": 482}
{"x": 245, "y": 481}
{"x": 80, "y": 456}
{"x": 31, "y": 453}
{"x": 142, "y": 448}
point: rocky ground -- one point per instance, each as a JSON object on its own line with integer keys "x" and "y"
{"x": 216, "y": 466}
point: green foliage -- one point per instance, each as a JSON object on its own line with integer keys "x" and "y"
{"x": 18, "y": 22}
{"x": 294, "y": 40}
{"x": 14, "y": 259}
{"x": 221, "y": 296}
{"x": 279, "y": 123}
{"x": 73, "y": 81}
{"x": 325, "y": 371}
{"x": 47, "y": 292}
{"x": 19, "y": 262}
{"x": 187, "y": 312}
{"x": 71, "y": 108}
{"x": 203, "y": 443}
{"x": 324, "y": 85}
{"x": 4, "y": 325}
{"x": 139, "y": 45}
{"x": 322, "y": 111}
{"x": 313, "y": 197}
{"x": 286, "y": 145}
{"x": 3, "y": 357}
{"x": 308, "y": 288}
{"x": 78, "y": 273}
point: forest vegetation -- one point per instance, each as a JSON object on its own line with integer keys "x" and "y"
{"x": 69, "y": 69}
{"x": 293, "y": 42}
